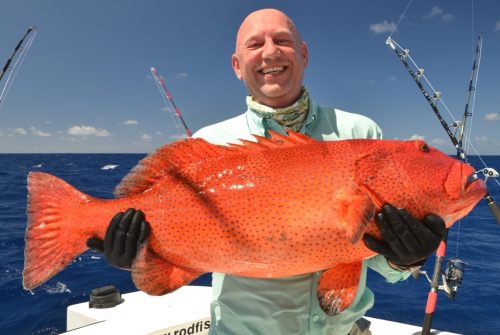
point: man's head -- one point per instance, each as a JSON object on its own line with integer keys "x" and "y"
{"x": 270, "y": 58}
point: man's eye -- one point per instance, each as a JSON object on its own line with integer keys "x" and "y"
{"x": 282, "y": 42}
{"x": 254, "y": 45}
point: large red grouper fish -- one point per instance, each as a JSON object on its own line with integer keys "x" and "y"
{"x": 273, "y": 208}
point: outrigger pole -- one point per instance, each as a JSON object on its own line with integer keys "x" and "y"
{"x": 470, "y": 92}
{"x": 22, "y": 48}
{"x": 169, "y": 101}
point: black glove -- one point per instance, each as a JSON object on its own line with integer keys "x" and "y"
{"x": 407, "y": 241}
{"x": 126, "y": 232}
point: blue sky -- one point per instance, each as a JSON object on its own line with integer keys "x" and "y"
{"x": 85, "y": 85}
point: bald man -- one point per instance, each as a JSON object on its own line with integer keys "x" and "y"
{"x": 270, "y": 58}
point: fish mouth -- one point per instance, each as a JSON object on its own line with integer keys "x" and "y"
{"x": 462, "y": 181}
{"x": 472, "y": 190}
{"x": 474, "y": 184}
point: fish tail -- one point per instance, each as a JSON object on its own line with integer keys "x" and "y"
{"x": 55, "y": 234}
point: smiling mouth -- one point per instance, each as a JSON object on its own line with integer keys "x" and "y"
{"x": 273, "y": 70}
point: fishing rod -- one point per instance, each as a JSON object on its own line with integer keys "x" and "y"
{"x": 22, "y": 48}
{"x": 453, "y": 275}
{"x": 169, "y": 101}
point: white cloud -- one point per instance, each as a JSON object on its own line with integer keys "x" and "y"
{"x": 87, "y": 131}
{"x": 438, "y": 12}
{"x": 182, "y": 75}
{"x": 435, "y": 11}
{"x": 440, "y": 141}
{"x": 447, "y": 17}
{"x": 146, "y": 137}
{"x": 492, "y": 117}
{"x": 497, "y": 27}
{"x": 384, "y": 27}
{"x": 417, "y": 137}
{"x": 38, "y": 132}
{"x": 130, "y": 122}
{"x": 178, "y": 137}
{"x": 20, "y": 131}
{"x": 392, "y": 78}
{"x": 371, "y": 82}
{"x": 481, "y": 139}
{"x": 159, "y": 133}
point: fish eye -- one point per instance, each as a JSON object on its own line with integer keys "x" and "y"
{"x": 424, "y": 147}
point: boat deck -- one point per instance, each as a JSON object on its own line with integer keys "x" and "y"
{"x": 183, "y": 312}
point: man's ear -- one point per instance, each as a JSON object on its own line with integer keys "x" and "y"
{"x": 305, "y": 53}
{"x": 236, "y": 66}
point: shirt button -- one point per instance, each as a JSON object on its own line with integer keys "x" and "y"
{"x": 315, "y": 318}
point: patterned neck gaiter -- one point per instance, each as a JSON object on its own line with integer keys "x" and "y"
{"x": 280, "y": 119}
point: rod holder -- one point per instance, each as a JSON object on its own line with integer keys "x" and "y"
{"x": 495, "y": 210}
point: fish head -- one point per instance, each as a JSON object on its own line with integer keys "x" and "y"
{"x": 421, "y": 179}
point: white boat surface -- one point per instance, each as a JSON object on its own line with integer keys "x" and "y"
{"x": 185, "y": 311}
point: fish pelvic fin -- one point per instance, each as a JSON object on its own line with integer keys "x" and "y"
{"x": 51, "y": 242}
{"x": 170, "y": 159}
{"x": 156, "y": 276}
{"x": 337, "y": 287}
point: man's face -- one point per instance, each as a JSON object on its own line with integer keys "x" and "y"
{"x": 270, "y": 58}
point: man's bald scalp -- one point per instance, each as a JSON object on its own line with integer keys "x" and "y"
{"x": 266, "y": 11}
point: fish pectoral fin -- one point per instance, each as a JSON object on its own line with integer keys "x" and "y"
{"x": 337, "y": 287}
{"x": 155, "y": 276}
{"x": 356, "y": 210}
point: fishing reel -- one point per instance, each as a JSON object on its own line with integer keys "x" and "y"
{"x": 452, "y": 277}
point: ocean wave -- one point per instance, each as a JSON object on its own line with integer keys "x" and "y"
{"x": 110, "y": 167}
{"x": 57, "y": 288}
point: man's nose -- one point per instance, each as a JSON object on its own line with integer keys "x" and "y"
{"x": 270, "y": 50}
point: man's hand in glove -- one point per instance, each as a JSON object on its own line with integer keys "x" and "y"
{"x": 407, "y": 242}
{"x": 126, "y": 232}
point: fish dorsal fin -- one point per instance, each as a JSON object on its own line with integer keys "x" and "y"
{"x": 276, "y": 141}
{"x": 164, "y": 161}
{"x": 174, "y": 156}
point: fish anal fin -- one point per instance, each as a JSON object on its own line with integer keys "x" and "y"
{"x": 156, "y": 276}
{"x": 337, "y": 287}
{"x": 356, "y": 210}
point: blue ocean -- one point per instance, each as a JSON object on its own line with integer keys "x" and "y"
{"x": 476, "y": 240}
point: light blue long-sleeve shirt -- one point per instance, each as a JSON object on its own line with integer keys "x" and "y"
{"x": 250, "y": 306}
